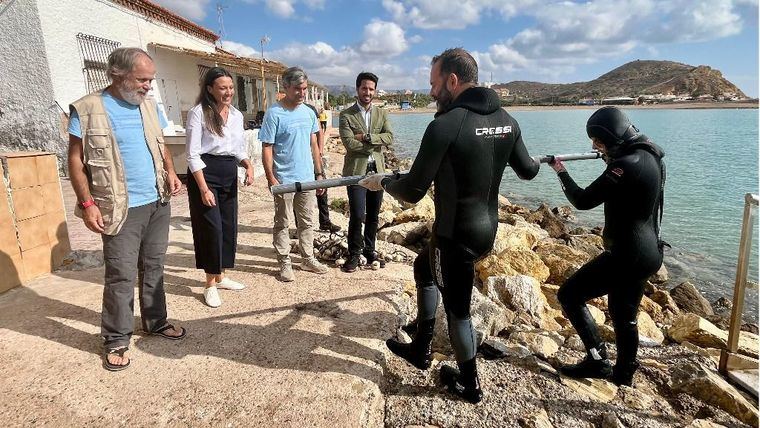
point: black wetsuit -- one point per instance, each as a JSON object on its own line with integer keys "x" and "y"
{"x": 631, "y": 191}
{"x": 464, "y": 152}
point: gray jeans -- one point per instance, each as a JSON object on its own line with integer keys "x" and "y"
{"x": 135, "y": 253}
{"x": 304, "y": 205}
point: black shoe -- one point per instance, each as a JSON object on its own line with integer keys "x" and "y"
{"x": 329, "y": 227}
{"x": 372, "y": 257}
{"x": 623, "y": 374}
{"x": 464, "y": 386}
{"x": 588, "y": 368}
{"x": 351, "y": 264}
{"x": 413, "y": 353}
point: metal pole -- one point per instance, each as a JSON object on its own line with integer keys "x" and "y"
{"x": 354, "y": 179}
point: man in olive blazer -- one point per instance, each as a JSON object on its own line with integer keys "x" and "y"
{"x": 364, "y": 130}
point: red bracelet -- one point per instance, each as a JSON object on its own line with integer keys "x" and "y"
{"x": 87, "y": 204}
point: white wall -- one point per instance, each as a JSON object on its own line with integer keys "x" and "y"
{"x": 29, "y": 118}
{"x": 62, "y": 19}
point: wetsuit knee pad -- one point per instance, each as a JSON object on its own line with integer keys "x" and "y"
{"x": 462, "y": 337}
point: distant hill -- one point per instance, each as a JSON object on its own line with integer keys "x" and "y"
{"x": 634, "y": 79}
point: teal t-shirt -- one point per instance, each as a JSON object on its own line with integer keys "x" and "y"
{"x": 289, "y": 132}
{"x": 127, "y": 127}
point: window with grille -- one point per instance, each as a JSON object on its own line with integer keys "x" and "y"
{"x": 95, "y": 51}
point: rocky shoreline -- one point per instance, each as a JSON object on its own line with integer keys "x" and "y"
{"x": 523, "y": 334}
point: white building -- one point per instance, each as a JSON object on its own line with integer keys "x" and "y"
{"x": 55, "y": 51}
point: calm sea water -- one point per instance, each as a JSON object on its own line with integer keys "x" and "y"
{"x": 712, "y": 162}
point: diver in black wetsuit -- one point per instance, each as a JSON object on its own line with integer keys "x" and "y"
{"x": 464, "y": 151}
{"x": 631, "y": 189}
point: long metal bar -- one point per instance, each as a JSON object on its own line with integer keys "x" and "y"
{"x": 354, "y": 179}
{"x": 740, "y": 285}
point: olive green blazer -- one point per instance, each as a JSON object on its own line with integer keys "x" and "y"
{"x": 357, "y": 152}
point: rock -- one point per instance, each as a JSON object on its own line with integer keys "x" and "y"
{"x": 702, "y": 383}
{"x": 541, "y": 344}
{"x": 520, "y": 293}
{"x": 596, "y": 389}
{"x": 636, "y": 399}
{"x": 424, "y": 210}
{"x": 390, "y": 204}
{"x": 591, "y": 245}
{"x": 661, "y": 276}
{"x": 597, "y": 314}
{"x": 649, "y": 334}
{"x": 562, "y": 261}
{"x": 539, "y": 419}
{"x": 652, "y": 308}
{"x": 575, "y": 343}
{"x": 703, "y": 423}
{"x": 512, "y": 261}
{"x": 703, "y": 333}
{"x": 385, "y": 218}
{"x": 523, "y": 235}
{"x": 405, "y": 233}
{"x": 610, "y": 420}
{"x": 689, "y": 299}
{"x": 665, "y": 300}
{"x": 565, "y": 212}
{"x": 488, "y": 319}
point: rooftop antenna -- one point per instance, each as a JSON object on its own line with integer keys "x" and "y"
{"x": 220, "y": 19}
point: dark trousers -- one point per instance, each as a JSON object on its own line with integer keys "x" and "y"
{"x": 363, "y": 206}
{"x": 135, "y": 253}
{"x": 215, "y": 228}
{"x": 449, "y": 268}
{"x": 624, "y": 282}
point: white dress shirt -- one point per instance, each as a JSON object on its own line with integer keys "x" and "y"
{"x": 367, "y": 120}
{"x": 200, "y": 140}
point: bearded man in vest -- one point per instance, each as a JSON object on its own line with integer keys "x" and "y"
{"x": 123, "y": 177}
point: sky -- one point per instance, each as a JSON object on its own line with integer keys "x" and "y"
{"x": 536, "y": 40}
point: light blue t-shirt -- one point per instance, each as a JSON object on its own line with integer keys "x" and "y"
{"x": 127, "y": 127}
{"x": 289, "y": 132}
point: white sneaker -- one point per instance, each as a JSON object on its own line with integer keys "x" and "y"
{"x": 313, "y": 265}
{"x": 228, "y": 284}
{"x": 211, "y": 295}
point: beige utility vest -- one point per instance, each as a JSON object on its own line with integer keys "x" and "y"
{"x": 103, "y": 162}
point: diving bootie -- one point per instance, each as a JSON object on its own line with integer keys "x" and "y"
{"x": 463, "y": 382}
{"x": 588, "y": 368}
{"x": 418, "y": 353}
{"x": 622, "y": 374}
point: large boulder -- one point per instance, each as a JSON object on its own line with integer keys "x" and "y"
{"x": 405, "y": 233}
{"x": 488, "y": 319}
{"x": 512, "y": 261}
{"x": 694, "y": 379}
{"x": 689, "y": 299}
{"x": 424, "y": 210}
{"x": 649, "y": 334}
{"x": 562, "y": 261}
{"x": 701, "y": 332}
{"x": 520, "y": 293}
{"x": 587, "y": 243}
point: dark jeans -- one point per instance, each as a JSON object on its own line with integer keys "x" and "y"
{"x": 135, "y": 253}
{"x": 364, "y": 206}
{"x": 215, "y": 228}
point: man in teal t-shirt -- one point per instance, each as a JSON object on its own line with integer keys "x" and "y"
{"x": 290, "y": 154}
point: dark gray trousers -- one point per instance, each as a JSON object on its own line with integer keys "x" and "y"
{"x": 135, "y": 253}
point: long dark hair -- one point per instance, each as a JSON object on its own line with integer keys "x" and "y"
{"x": 211, "y": 116}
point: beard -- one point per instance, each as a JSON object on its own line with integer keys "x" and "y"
{"x": 443, "y": 99}
{"x": 131, "y": 95}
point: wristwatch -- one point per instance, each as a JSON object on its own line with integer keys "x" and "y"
{"x": 88, "y": 203}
